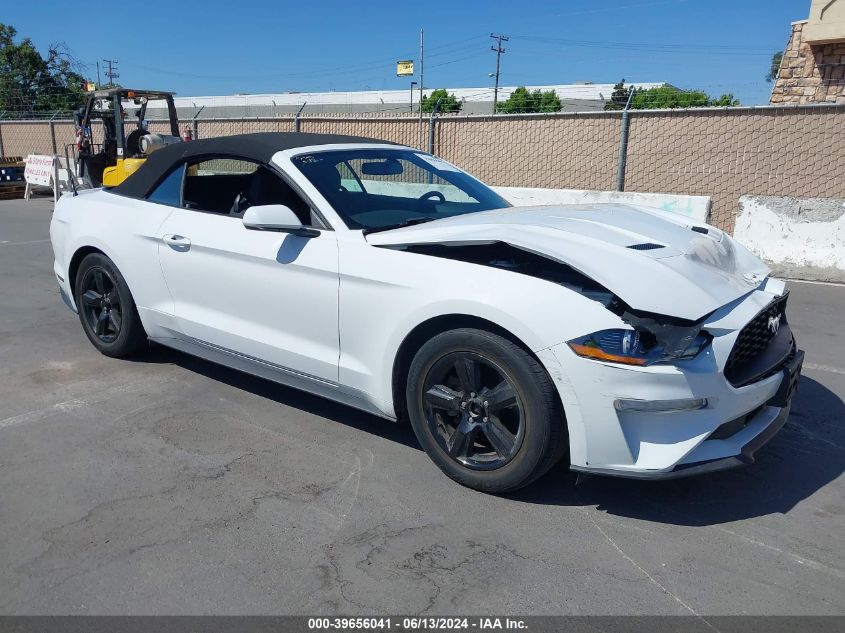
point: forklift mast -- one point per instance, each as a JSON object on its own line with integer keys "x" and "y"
{"x": 95, "y": 166}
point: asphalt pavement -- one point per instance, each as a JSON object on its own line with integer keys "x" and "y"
{"x": 169, "y": 485}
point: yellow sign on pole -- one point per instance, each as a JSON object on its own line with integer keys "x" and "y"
{"x": 405, "y": 68}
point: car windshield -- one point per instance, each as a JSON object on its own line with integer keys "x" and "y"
{"x": 378, "y": 189}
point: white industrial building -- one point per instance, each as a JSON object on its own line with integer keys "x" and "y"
{"x": 574, "y": 98}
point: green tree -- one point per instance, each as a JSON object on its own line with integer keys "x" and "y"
{"x": 665, "y": 97}
{"x": 725, "y": 101}
{"x": 522, "y": 100}
{"x": 550, "y": 102}
{"x": 669, "y": 97}
{"x": 774, "y": 69}
{"x": 31, "y": 84}
{"x": 619, "y": 98}
{"x": 448, "y": 102}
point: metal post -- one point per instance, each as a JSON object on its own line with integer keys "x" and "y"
{"x": 57, "y": 188}
{"x": 623, "y": 144}
{"x": 432, "y": 122}
{"x": 411, "y": 103}
{"x": 422, "y": 66}
{"x": 296, "y": 123}
{"x": 53, "y": 134}
{"x": 194, "y": 125}
{"x": 2, "y": 153}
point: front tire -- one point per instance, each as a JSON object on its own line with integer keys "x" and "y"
{"x": 106, "y": 308}
{"x": 484, "y": 410}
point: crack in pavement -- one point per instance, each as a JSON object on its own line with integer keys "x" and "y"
{"x": 635, "y": 564}
{"x": 426, "y": 570}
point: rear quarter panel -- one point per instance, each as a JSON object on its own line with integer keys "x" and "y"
{"x": 126, "y": 231}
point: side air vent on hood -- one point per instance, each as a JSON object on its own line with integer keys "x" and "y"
{"x": 648, "y": 246}
{"x": 701, "y": 229}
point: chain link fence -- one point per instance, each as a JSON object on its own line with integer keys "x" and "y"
{"x": 719, "y": 152}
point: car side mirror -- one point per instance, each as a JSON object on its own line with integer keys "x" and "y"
{"x": 276, "y": 217}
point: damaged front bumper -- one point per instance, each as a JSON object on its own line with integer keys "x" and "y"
{"x": 748, "y": 433}
{"x": 724, "y": 429}
{"x": 771, "y": 420}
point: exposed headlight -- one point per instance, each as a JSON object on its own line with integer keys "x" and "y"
{"x": 631, "y": 347}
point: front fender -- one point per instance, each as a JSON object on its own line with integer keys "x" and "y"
{"x": 385, "y": 294}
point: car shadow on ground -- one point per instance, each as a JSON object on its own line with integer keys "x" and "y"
{"x": 289, "y": 397}
{"x": 805, "y": 456}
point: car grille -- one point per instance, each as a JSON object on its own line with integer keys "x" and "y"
{"x": 756, "y": 336}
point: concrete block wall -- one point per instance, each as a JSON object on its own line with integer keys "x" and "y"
{"x": 720, "y": 153}
{"x": 577, "y": 152}
{"x": 729, "y": 153}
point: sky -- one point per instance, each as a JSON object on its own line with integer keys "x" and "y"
{"x": 213, "y": 47}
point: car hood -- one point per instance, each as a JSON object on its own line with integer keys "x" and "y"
{"x": 680, "y": 272}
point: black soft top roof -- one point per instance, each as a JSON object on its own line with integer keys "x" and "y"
{"x": 259, "y": 147}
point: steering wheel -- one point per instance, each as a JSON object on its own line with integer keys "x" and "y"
{"x": 433, "y": 194}
{"x": 241, "y": 204}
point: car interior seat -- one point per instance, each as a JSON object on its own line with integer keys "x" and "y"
{"x": 265, "y": 187}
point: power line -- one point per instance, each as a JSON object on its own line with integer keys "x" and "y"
{"x": 449, "y": 48}
{"x": 651, "y": 46}
{"x": 498, "y": 50}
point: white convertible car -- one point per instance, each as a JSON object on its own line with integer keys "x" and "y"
{"x": 629, "y": 341}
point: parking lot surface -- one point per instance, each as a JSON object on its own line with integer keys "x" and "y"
{"x": 168, "y": 485}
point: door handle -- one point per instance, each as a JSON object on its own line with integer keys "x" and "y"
{"x": 177, "y": 241}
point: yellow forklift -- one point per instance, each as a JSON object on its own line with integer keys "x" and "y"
{"x": 126, "y": 141}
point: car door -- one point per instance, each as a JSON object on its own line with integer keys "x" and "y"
{"x": 265, "y": 295}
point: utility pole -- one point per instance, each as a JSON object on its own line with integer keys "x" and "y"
{"x": 112, "y": 73}
{"x": 498, "y": 50}
{"x": 98, "y": 76}
{"x": 422, "y": 66}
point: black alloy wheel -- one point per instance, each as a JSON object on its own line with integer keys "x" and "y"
{"x": 107, "y": 309}
{"x": 100, "y": 304}
{"x": 473, "y": 410}
{"x": 484, "y": 409}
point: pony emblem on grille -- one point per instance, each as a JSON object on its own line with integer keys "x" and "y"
{"x": 774, "y": 324}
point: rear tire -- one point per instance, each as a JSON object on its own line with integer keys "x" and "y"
{"x": 484, "y": 410}
{"x": 106, "y": 308}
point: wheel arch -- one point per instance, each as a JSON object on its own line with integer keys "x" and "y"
{"x": 73, "y": 267}
{"x": 432, "y": 327}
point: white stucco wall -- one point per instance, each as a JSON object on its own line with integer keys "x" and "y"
{"x": 801, "y": 238}
{"x": 697, "y": 208}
